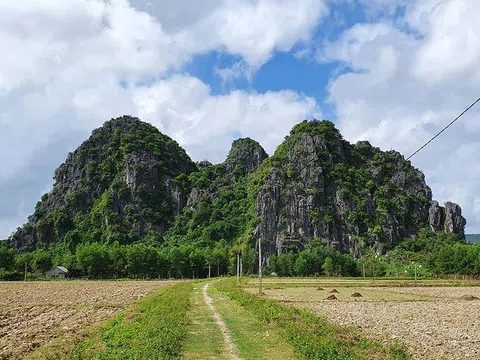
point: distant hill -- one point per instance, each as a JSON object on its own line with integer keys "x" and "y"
{"x": 473, "y": 238}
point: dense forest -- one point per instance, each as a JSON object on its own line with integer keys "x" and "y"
{"x": 130, "y": 203}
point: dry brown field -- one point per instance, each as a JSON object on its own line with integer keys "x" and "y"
{"x": 435, "y": 319}
{"x": 38, "y": 314}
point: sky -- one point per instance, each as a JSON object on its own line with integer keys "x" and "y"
{"x": 393, "y": 72}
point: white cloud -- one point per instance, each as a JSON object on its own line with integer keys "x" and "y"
{"x": 238, "y": 70}
{"x": 451, "y": 51}
{"x": 407, "y": 85}
{"x": 251, "y": 29}
{"x": 183, "y": 107}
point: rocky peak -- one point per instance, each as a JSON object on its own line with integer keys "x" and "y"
{"x": 124, "y": 181}
{"x": 129, "y": 181}
{"x": 245, "y": 155}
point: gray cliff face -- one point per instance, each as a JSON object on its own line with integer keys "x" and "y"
{"x": 352, "y": 196}
{"x": 436, "y": 216}
{"x": 454, "y": 221}
{"x": 290, "y": 195}
{"x": 448, "y": 219}
{"x": 144, "y": 179}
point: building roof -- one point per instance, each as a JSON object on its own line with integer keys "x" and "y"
{"x": 62, "y": 268}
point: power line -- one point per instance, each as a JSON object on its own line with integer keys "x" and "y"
{"x": 445, "y": 128}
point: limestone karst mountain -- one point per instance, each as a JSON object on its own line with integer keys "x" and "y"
{"x": 128, "y": 182}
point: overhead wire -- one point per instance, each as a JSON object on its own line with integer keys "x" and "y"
{"x": 445, "y": 128}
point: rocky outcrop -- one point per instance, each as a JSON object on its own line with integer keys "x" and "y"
{"x": 448, "y": 219}
{"x": 219, "y": 207}
{"x": 352, "y": 196}
{"x": 436, "y": 216}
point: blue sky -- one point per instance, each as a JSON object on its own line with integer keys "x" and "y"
{"x": 286, "y": 70}
{"x": 393, "y": 72}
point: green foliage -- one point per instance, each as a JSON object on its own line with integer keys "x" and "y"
{"x": 7, "y": 257}
{"x": 93, "y": 259}
{"x": 317, "y": 259}
{"x": 41, "y": 261}
{"x": 428, "y": 254}
{"x": 155, "y": 329}
{"x": 223, "y": 211}
{"x": 119, "y": 221}
{"x": 329, "y": 267}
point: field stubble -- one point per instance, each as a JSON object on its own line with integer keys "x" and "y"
{"x": 435, "y": 322}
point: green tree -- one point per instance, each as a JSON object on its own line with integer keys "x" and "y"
{"x": 42, "y": 261}
{"x": 197, "y": 263}
{"x": 305, "y": 264}
{"x": 93, "y": 259}
{"x": 329, "y": 267}
{"x": 7, "y": 257}
{"x": 142, "y": 261}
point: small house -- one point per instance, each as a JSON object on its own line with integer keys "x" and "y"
{"x": 58, "y": 272}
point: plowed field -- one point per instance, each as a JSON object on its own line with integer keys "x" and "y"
{"x": 35, "y": 314}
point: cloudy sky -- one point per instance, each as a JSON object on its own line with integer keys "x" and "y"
{"x": 206, "y": 72}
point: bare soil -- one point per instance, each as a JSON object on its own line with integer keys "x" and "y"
{"x": 34, "y": 314}
{"x": 433, "y": 322}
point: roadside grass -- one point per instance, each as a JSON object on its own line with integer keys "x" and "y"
{"x": 154, "y": 329}
{"x": 310, "y": 335}
{"x": 253, "y": 338}
{"x": 204, "y": 339}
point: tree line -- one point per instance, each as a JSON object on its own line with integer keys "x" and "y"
{"x": 137, "y": 261}
{"x": 428, "y": 254}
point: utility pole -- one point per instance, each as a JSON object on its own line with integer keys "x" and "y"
{"x": 209, "y": 270}
{"x": 260, "y": 290}
{"x": 415, "y": 267}
{"x": 241, "y": 266}
{"x": 238, "y": 266}
{"x": 363, "y": 265}
{"x": 25, "y": 271}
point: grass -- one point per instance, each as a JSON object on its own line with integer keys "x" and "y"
{"x": 311, "y": 336}
{"x": 253, "y": 338}
{"x": 204, "y": 339}
{"x": 154, "y": 329}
